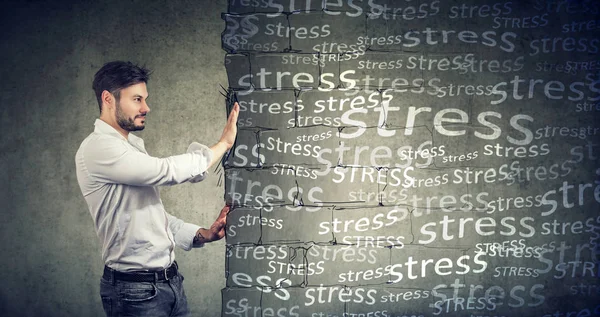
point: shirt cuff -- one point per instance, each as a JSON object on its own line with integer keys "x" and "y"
{"x": 184, "y": 238}
{"x": 206, "y": 154}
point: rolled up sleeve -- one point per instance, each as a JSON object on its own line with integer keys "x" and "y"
{"x": 183, "y": 233}
{"x": 202, "y": 151}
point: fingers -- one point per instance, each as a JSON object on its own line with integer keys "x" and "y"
{"x": 226, "y": 209}
{"x": 222, "y": 218}
{"x": 217, "y": 226}
{"x": 217, "y": 229}
{"x": 234, "y": 113}
{"x": 230, "y": 130}
{"x": 220, "y": 234}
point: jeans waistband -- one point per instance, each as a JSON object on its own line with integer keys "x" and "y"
{"x": 141, "y": 276}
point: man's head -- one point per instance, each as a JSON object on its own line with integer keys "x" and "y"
{"x": 121, "y": 92}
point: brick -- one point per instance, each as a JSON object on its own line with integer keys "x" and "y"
{"x": 277, "y": 225}
{"x": 255, "y": 33}
{"x": 326, "y": 33}
{"x": 267, "y": 109}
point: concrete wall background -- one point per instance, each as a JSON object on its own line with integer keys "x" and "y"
{"x": 50, "y": 263}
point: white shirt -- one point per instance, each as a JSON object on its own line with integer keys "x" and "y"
{"x": 118, "y": 180}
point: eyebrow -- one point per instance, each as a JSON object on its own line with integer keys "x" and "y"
{"x": 137, "y": 95}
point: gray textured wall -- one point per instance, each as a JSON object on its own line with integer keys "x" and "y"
{"x": 50, "y": 263}
{"x": 497, "y": 214}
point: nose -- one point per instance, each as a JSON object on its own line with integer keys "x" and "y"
{"x": 145, "y": 108}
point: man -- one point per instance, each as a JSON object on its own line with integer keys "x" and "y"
{"x": 119, "y": 182}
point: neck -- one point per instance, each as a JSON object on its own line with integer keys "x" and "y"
{"x": 113, "y": 123}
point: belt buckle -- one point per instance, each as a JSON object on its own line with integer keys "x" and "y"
{"x": 166, "y": 276}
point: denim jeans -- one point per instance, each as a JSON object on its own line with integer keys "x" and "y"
{"x": 148, "y": 299}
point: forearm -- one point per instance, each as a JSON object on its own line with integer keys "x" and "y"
{"x": 218, "y": 150}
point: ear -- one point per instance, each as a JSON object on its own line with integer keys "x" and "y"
{"x": 108, "y": 100}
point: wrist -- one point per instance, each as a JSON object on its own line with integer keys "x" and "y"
{"x": 203, "y": 236}
{"x": 224, "y": 144}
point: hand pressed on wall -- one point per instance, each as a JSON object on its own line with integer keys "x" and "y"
{"x": 227, "y": 137}
{"x": 216, "y": 230}
{"x": 230, "y": 130}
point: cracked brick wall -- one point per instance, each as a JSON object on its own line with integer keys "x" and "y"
{"x": 413, "y": 158}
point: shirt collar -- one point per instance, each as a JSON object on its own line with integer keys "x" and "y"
{"x": 105, "y": 128}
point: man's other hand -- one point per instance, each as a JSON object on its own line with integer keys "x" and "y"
{"x": 216, "y": 230}
{"x": 222, "y": 218}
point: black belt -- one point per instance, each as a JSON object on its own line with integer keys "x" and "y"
{"x": 141, "y": 276}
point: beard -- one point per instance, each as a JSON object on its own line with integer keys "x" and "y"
{"x": 126, "y": 123}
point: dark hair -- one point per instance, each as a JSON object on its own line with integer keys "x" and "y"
{"x": 117, "y": 75}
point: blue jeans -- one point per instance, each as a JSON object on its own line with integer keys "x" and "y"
{"x": 148, "y": 299}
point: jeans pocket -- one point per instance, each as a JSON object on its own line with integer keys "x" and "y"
{"x": 107, "y": 305}
{"x": 138, "y": 292}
